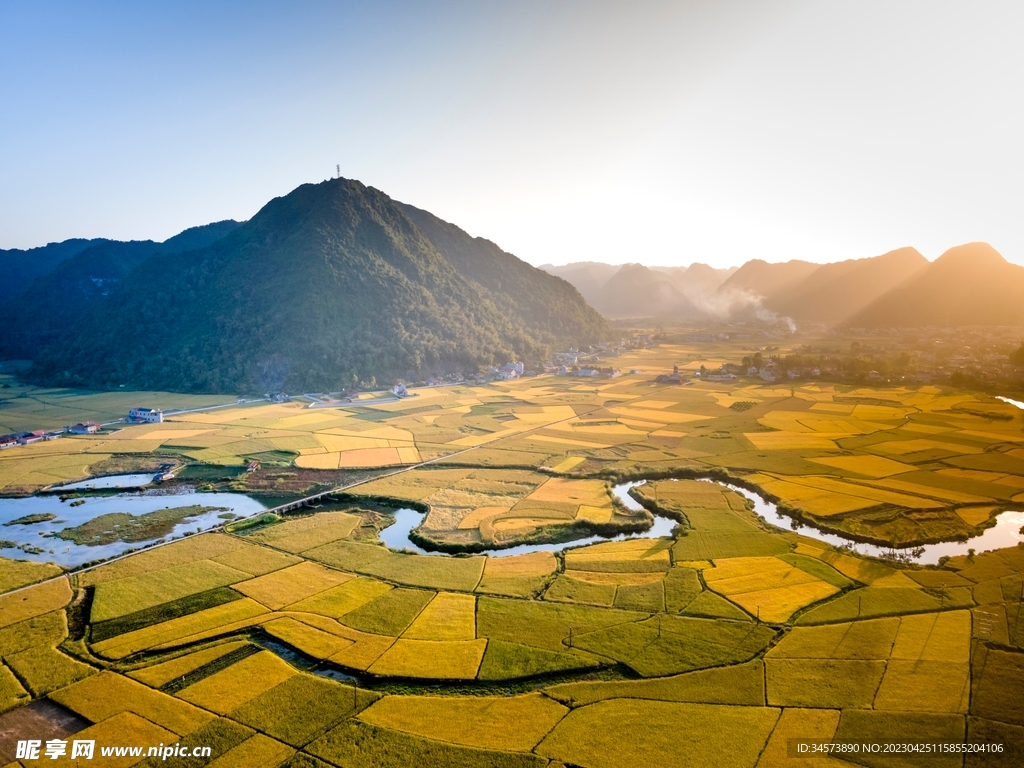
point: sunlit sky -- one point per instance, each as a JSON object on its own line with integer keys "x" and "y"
{"x": 658, "y": 132}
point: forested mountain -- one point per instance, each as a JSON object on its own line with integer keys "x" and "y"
{"x": 519, "y": 291}
{"x": 19, "y": 267}
{"x": 57, "y": 301}
{"x": 834, "y": 292}
{"x": 970, "y": 284}
{"x": 330, "y": 285}
{"x": 194, "y": 238}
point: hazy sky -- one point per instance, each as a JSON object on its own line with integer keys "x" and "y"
{"x": 659, "y": 132}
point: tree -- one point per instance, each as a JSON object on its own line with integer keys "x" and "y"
{"x": 1017, "y": 358}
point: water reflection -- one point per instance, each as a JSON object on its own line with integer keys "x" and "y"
{"x": 29, "y": 538}
{"x": 112, "y": 481}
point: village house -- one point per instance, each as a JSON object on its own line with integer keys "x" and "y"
{"x": 720, "y": 375}
{"x": 509, "y": 371}
{"x": 669, "y": 378}
{"x": 84, "y": 428}
{"x": 280, "y": 397}
{"x": 151, "y": 415}
{"x": 8, "y": 441}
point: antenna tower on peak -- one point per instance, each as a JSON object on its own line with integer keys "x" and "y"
{"x": 337, "y": 169}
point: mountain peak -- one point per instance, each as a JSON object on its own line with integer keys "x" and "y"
{"x": 332, "y": 284}
{"x": 972, "y": 255}
{"x": 971, "y": 284}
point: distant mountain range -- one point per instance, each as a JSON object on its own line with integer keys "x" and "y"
{"x": 332, "y": 285}
{"x": 968, "y": 285}
{"x": 637, "y": 291}
{"x": 45, "y": 308}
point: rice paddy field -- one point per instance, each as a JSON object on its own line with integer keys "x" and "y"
{"x": 304, "y": 642}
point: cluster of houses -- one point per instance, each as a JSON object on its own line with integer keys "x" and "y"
{"x": 39, "y": 435}
{"x": 771, "y": 373}
{"x": 27, "y": 438}
{"x": 135, "y": 415}
{"x": 593, "y": 373}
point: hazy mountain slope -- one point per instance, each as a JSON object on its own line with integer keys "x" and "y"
{"x": 328, "y": 285}
{"x": 766, "y": 280}
{"x": 636, "y": 291}
{"x": 834, "y": 292}
{"x": 55, "y": 302}
{"x": 970, "y": 284}
{"x": 588, "y": 277}
{"x": 698, "y": 280}
{"x": 548, "y": 305}
{"x": 19, "y": 267}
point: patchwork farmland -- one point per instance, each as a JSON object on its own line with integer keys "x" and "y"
{"x": 298, "y": 639}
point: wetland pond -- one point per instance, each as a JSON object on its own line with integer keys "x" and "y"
{"x": 101, "y": 527}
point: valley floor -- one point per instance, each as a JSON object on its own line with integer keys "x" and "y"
{"x": 299, "y": 640}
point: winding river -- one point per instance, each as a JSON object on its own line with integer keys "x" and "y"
{"x": 1005, "y": 533}
{"x": 27, "y": 539}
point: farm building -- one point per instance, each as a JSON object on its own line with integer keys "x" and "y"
{"x": 27, "y": 438}
{"x": 84, "y": 428}
{"x": 8, "y": 441}
{"x": 152, "y": 415}
{"x": 510, "y": 371}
